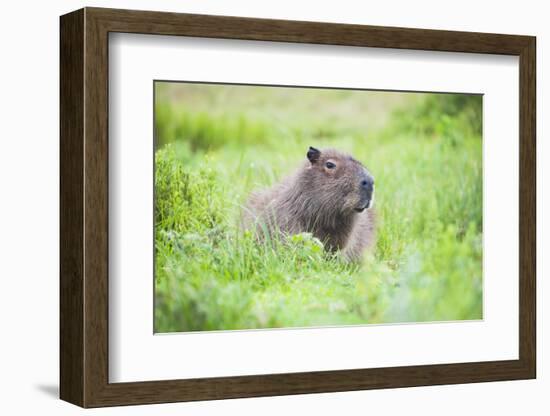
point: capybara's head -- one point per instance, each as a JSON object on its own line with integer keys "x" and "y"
{"x": 336, "y": 182}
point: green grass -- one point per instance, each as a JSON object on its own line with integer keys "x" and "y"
{"x": 216, "y": 144}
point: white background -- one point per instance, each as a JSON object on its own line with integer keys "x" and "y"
{"x": 136, "y": 355}
{"x": 29, "y": 208}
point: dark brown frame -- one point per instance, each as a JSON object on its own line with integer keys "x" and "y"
{"x": 84, "y": 207}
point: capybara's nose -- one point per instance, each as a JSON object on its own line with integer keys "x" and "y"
{"x": 367, "y": 185}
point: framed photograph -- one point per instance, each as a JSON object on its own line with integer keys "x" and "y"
{"x": 254, "y": 207}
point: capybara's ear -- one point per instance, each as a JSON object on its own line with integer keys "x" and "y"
{"x": 313, "y": 154}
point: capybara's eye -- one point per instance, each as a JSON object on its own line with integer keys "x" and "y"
{"x": 330, "y": 165}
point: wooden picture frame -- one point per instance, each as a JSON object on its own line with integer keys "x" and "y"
{"x": 84, "y": 216}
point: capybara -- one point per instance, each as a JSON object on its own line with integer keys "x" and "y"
{"x": 330, "y": 196}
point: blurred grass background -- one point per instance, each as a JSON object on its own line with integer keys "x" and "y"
{"x": 216, "y": 143}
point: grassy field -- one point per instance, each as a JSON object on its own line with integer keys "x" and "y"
{"x": 217, "y": 143}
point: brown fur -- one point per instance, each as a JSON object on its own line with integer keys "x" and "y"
{"x": 325, "y": 200}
